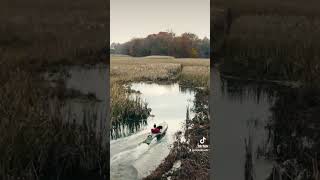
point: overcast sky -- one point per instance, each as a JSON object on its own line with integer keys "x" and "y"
{"x": 139, "y": 18}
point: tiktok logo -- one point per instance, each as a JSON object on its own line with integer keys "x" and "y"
{"x": 201, "y": 146}
{"x": 202, "y": 140}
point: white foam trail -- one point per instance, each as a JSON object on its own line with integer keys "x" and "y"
{"x": 130, "y": 155}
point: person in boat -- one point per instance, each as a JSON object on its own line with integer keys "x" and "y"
{"x": 155, "y": 129}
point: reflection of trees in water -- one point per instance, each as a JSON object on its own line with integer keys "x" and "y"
{"x": 293, "y": 129}
{"x": 186, "y": 89}
{"x": 241, "y": 90}
{"x": 294, "y": 133}
{"x": 124, "y": 129}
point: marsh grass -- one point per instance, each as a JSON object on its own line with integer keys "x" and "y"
{"x": 194, "y": 72}
{"x": 125, "y": 109}
{"x": 268, "y": 40}
{"x": 35, "y": 142}
{"x": 35, "y": 34}
{"x": 274, "y": 47}
{"x": 126, "y": 69}
{"x": 195, "y": 76}
{"x": 263, "y": 7}
{"x": 194, "y": 165}
{"x": 146, "y": 72}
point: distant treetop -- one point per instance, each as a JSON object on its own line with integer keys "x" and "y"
{"x": 188, "y": 45}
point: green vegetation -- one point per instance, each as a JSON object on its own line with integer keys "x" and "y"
{"x": 187, "y": 45}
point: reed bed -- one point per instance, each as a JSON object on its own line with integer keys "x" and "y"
{"x": 35, "y": 142}
{"x": 265, "y": 7}
{"x": 37, "y": 34}
{"x": 119, "y": 60}
{"x": 269, "y": 45}
{"x": 194, "y": 165}
{"x": 126, "y": 109}
{"x": 276, "y": 40}
{"x": 187, "y": 70}
{"x": 126, "y": 69}
{"x": 274, "y": 47}
{"x": 196, "y": 76}
{"x": 146, "y": 72}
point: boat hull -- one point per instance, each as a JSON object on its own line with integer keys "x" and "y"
{"x": 152, "y": 136}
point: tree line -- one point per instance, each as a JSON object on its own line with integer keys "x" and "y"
{"x": 187, "y": 45}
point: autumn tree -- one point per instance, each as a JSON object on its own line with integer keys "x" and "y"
{"x": 165, "y": 43}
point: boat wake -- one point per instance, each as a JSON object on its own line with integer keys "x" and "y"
{"x": 122, "y": 163}
{"x": 130, "y": 155}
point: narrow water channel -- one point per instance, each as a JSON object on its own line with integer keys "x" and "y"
{"x": 86, "y": 102}
{"x": 241, "y": 111}
{"x": 129, "y": 159}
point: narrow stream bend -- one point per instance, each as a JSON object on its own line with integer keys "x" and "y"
{"x": 129, "y": 158}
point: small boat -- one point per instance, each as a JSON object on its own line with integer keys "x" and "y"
{"x": 163, "y": 129}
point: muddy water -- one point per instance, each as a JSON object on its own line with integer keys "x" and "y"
{"x": 129, "y": 159}
{"x": 241, "y": 111}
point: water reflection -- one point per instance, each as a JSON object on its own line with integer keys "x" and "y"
{"x": 168, "y": 101}
{"x": 87, "y": 80}
{"x": 169, "y": 104}
{"x": 125, "y": 129}
{"x": 241, "y": 111}
{"x": 83, "y": 89}
{"x": 265, "y": 131}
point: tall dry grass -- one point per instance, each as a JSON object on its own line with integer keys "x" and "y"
{"x": 37, "y": 33}
{"x": 269, "y": 39}
{"x": 195, "y": 76}
{"x": 194, "y": 165}
{"x": 274, "y": 47}
{"x": 267, "y": 7}
{"x": 192, "y": 72}
{"x": 146, "y": 72}
{"x": 126, "y": 69}
{"x": 126, "y": 109}
{"x": 34, "y": 141}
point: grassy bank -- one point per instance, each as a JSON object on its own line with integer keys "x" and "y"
{"x": 277, "y": 40}
{"x": 190, "y": 71}
{"x": 293, "y": 131}
{"x": 187, "y": 72}
{"x": 193, "y": 164}
{"x": 34, "y": 141}
{"x": 126, "y": 69}
{"x": 126, "y": 109}
{"x": 35, "y": 35}
{"x": 268, "y": 40}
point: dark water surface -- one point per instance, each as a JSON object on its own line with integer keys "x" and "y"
{"x": 241, "y": 111}
{"x": 86, "y": 102}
